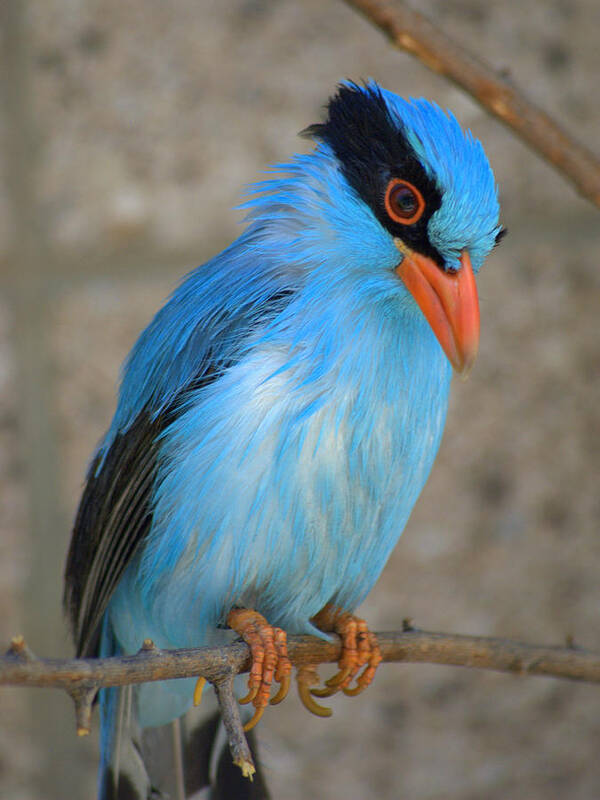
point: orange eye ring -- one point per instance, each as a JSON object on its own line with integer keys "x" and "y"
{"x": 404, "y": 203}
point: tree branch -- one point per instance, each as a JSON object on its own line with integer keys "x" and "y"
{"x": 81, "y": 678}
{"x": 409, "y": 30}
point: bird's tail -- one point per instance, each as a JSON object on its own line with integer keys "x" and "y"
{"x": 187, "y": 758}
{"x": 122, "y": 773}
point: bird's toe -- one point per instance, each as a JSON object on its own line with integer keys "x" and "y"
{"x": 359, "y": 649}
{"x": 270, "y": 661}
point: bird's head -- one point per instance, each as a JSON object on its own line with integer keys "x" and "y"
{"x": 400, "y": 199}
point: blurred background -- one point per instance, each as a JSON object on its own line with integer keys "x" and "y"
{"x": 128, "y": 131}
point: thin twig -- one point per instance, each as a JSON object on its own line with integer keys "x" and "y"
{"x": 411, "y": 31}
{"x": 230, "y": 714}
{"x": 81, "y": 678}
{"x": 217, "y": 663}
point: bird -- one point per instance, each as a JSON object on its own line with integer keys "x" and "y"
{"x": 277, "y": 420}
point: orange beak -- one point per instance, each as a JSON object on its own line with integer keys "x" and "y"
{"x": 449, "y": 302}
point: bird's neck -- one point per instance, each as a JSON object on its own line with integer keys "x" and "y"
{"x": 379, "y": 352}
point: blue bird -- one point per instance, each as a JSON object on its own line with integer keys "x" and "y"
{"x": 280, "y": 415}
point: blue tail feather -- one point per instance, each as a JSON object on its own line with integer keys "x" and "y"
{"x": 122, "y": 774}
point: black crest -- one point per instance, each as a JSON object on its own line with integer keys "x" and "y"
{"x": 372, "y": 148}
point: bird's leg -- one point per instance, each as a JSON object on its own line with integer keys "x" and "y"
{"x": 268, "y": 647}
{"x": 359, "y": 649}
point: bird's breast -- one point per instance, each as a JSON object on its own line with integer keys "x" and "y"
{"x": 284, "y": 489}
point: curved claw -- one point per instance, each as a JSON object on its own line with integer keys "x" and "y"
{"x": 308, "y": 702}
{"x": 333, "y": 684}
{"x": 284, "y": 687}
{"x": 249, "y": 697}
{"x": 256, "y": 718}
{"x": 366, "y": 676}
{"x": 200, "y": 684}
{"x": 339, "y": 677}
{"x": 326, "y": 691}
{"x": 353, "y": 692}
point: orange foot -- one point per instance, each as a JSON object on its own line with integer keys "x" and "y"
{"x": 359, "y": 649}
{"x": 268, "y": 646}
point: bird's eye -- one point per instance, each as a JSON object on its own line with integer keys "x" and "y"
{"x": 403, "y": 202}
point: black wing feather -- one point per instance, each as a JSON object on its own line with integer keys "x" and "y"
{"x": 113, "y": 518}
{"x": 115, "y": 511}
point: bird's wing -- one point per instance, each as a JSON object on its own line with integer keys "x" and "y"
{"x": 115, "y": 513}
{"x": 113, "y": 517}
